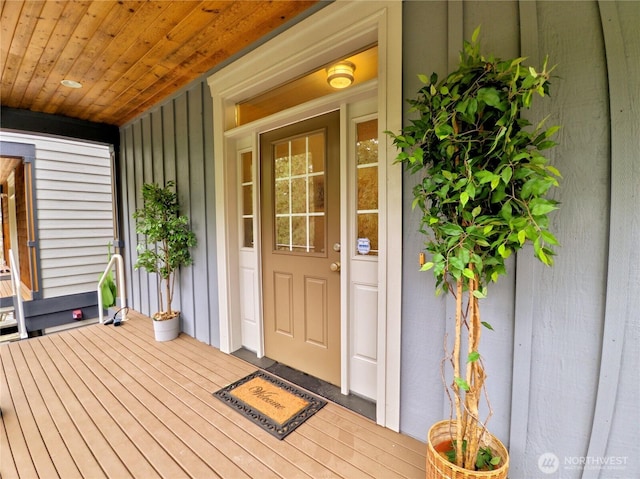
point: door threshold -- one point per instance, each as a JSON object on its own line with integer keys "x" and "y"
{"x": 357, "y": 404}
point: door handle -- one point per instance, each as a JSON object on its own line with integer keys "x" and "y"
{"x": 335, "y": 267}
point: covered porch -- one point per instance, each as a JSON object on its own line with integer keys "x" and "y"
{"x": 105, "y": 401}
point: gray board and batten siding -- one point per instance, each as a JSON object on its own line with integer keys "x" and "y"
{"x": 563, "y": 362}
{"x": 174, "y": 142}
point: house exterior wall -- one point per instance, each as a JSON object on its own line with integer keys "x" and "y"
{"x": 174, "y": 142}
{"x": 564, "y": 356}
{"x": 74, "y": 213}
{"x": 560, "y": 332}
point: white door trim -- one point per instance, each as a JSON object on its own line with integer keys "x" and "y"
{"x": 336, "y": 30}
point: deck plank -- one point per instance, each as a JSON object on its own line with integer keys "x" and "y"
{"x": 94, "y": 409}
{"x": 132, "y": 414}
{"x": 202, "y": 379}
{"x": 19, "y": 456}
{"x": 124, "y": 405}
{"x": 200, "y": 406}
{"x": 45, "y": 406}
{"x": 188, "y": 427}
{"x": 26, "y": 420}
{"x": 191, "y": 347}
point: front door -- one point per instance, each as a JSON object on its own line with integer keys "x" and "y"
{"x": 300, "y": 184}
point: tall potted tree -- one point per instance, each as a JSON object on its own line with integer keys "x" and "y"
{"x": 165, "y": 244}
{"x": 483, "y": 194}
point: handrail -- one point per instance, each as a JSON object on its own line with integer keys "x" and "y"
{"x": 16, "y": 284}
{"x": 121, "y": 289}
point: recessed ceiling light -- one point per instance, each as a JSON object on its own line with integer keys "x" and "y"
{"x": 71, "y": 83}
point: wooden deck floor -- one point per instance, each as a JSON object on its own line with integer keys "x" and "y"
{"x": 5, "y": 290}
{"x": 104, "y": 401}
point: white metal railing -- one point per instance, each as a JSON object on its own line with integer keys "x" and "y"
{"x": 16, "y": 285}
{"x": 116, "y": 258}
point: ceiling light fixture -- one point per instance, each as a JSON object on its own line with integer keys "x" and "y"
{"x": 71, "y": 83}
{"x": 340, "y": 75}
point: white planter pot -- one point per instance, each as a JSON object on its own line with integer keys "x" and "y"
{"x": 167, "y": 330}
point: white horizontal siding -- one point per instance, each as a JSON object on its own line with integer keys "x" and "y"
{"x": 73, "y": 272}
{"x": 78, "y": 215}
{"x": 77, "y": 197}
{"x": 48, "y": 185}
{"x": 66, "y": 289}
{"x": 77, "y": 262}
{"x": 74, "y": 201}
{"x": 75, "y": 233}
{"x": 64, "y": 254}
{"x": 74, "y": 224}
{"x": 79, "y": 242}
{"x": 61, "y": 205}
{"x": 90, "y": 169}
{"x": 57, "y": 175}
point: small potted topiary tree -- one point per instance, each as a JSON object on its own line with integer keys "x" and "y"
{"x": 483, "y": 195}
{"x": 164, "y": 247}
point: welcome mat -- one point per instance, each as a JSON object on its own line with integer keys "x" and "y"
{"x": 276, "y": 406}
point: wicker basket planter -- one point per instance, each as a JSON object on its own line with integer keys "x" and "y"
{"x": 439, "y": 467}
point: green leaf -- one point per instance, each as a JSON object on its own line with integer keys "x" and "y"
{"x": 473, "y": 356}
{"x": 475, "y": 35}
{"x": 506, "y": 210}
{"x": 462, "y": 384}
{"x": 499, "y": 193}
{"x": 479, "y": 294}
{"x": 542, "y": 208}
{"x": 489, "y": 96}
{"x": 506, "y": 174}
{"x": 549, "y": 238}
{"x": 484, "y": 176}
{"x": 543, "y": 257}
{"x": 457, "y": 263}
{"x": 551, "y": 131}
{"x": 543, "y": 145}
{"x": 487, "y": 325}
{"x": 464, "y": 198}
{"x": 471, "y": 190}
{"x": 553, "y": 170}
{"x": 468, "y": 273}
{"x": 472, "y": 109}
{"x": 423, "y": 78}
{"x": 448, "y": 175}
{"x": 427, "y": 266}
{"x": 495, "y": 460}
{"x": 443, "y": 131}
{"x": 522, "y": 237}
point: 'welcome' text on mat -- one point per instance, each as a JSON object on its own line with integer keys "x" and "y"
{"x": 276, "y": 406}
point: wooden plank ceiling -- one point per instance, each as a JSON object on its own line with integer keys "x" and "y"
{"x": 128, "y": 55}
